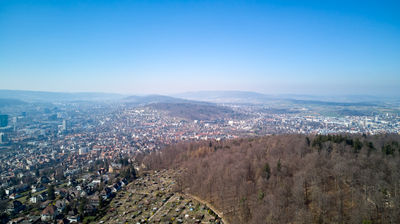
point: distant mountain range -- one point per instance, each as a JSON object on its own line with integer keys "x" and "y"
{"x": 200, "y": 97}
{"x": 245, "y": 97}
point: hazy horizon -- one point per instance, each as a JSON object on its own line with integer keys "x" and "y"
{"x": 171, "y": 47}
{"x": 197, "y": 92}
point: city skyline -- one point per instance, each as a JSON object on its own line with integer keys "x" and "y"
{"x": 168, "y": 47}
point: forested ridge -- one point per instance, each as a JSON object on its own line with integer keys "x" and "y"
{"x": 292, "y": 178}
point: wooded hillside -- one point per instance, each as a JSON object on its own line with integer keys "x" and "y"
{"x": 197, "y": 111}
{"x": 292, "y": 178}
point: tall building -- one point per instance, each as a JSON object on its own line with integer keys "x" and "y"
{"x": 83, "y": 150}
{"x": 3, "y": 120}
{"x": 64, "y": 126}
{"x": 2, "y": 138}
{"x": 14, "y": 120}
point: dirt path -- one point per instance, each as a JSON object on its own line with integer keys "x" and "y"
{"x": 216, "y": 211}
{"x": 160, "y": 208}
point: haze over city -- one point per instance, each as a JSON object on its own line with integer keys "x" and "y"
{"x": 167, "y": 47}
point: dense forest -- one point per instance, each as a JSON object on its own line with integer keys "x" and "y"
{"x": 292, "y": 178}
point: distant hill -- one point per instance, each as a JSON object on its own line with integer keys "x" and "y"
{"x": 194, "y": 111}
{"x": 241, "y": 97}
{"x": 327, "y": 103}
{"x": 39, "y": 96}
{"x": 10, "y": 102}
{"x": 184, "y": 108}
{"x": 150, "y": 99}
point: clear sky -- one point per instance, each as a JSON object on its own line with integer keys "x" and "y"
{"x": 140, "y": 47}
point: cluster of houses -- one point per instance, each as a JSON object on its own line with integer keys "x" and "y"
{"x": 65, "y": 205}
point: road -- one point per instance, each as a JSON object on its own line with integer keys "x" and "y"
{"x": 161, "y": 208}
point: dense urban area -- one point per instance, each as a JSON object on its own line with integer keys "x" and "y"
{"x": 75, "y": 161}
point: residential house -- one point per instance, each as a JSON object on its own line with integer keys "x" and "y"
{"x": 33, "y": 200}
{"x": 49, "y": 213}
{"x": 60, "y": 205}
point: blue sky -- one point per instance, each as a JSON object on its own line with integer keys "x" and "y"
{"x": 166, "y": 47}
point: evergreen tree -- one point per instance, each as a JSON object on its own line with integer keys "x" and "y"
{"x": 267, "y": 171}
{"x": 51, "y": 192}
{"x": 279, "y": 165}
